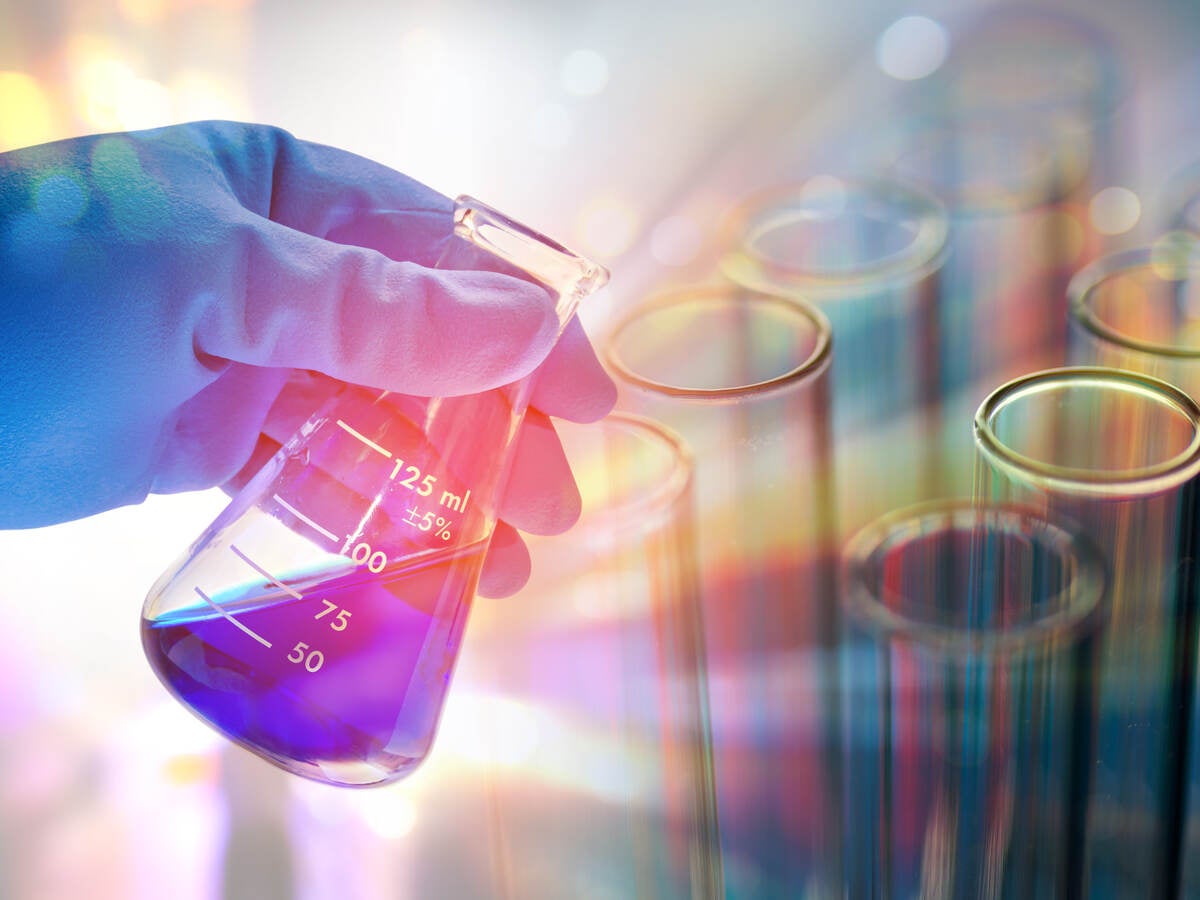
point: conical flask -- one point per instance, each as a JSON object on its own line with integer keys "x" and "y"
{"x": 316, "y": 622}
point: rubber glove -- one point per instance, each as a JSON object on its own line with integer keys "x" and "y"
{"x": 170, "y": 300}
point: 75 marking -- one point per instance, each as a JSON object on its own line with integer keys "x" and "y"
{"x": 340, "y": 621}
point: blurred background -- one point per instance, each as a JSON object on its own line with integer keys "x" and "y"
{"x": 627, "y": 130}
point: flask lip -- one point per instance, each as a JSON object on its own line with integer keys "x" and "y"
{"x": 570, "y": 274}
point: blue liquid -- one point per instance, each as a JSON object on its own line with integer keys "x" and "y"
{"x": 351, "y": 687}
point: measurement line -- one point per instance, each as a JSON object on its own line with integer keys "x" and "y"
{"x": 264, "y": 573}
{"x": 258, "y": 637}
{"x": 303, "y": 518}
{"x": 362, "y": 437}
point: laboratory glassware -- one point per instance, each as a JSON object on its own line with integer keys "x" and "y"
{"x": 317, "y": 621}
{"x": 1139, "y": 309}
{"x": 742, "y": 376}
{"x": 1018, "y": 229}
{"x": 968, "y": 750}
{"x": 601, "y": 656}
{"x": 1118, "y": 453}
{"x": 867, "y": 252}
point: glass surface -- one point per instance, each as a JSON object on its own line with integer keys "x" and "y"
{"x": 318, "y": 620}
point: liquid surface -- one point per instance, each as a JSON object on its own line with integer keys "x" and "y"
{"x": 343, "y": 684}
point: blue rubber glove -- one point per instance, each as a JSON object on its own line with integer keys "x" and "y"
{"x": 170, "y": 300}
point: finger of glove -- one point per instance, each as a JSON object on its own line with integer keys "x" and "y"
{"x": 213, "y": 432}
{"x": 572, "y": 384}
{"x": 293, "y": 300}
{"x": 540, "y": 496}
{"x": 506, "y": 567}
{"x": 327, "y": 192}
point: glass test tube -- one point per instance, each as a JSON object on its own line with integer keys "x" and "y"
{"x": 1014, "y": 132}
{"x": 1050, "y": 68}
{"x": 867, "y": 252}
{"x": 1119, "y": 453}
{"x": 604, "y": 649}
{"x": 1140, "y": 310}
{"x": 742, "y": 376}
{"x": 968, "y": 758}
{"x": 1018, "y": 229}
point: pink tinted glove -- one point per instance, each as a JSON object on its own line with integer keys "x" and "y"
{"x": 174, "y": 302}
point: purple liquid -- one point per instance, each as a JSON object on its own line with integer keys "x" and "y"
{"x": 352, "y": 686}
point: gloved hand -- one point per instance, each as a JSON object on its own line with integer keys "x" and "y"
{"x": 174, "y": 301}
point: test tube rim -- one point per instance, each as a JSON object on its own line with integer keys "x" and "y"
{"x": 1087, "y": 584}
{"x": 668, "y": 493}
{"x": 1045, "y": 186}
{"x": 1086, "y": 36}
{"x": 810, "y": 368}
{"x": 1146, "y": 480}
{"x": 924, "y": 253}
{"x": 1088, "y": 279}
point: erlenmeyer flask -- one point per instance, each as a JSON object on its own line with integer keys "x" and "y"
{"x": 317, "y": 621}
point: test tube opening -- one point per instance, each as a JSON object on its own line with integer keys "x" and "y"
{"x": 719, "y": 344}
{"x": 831, "y": 235}
{"x": 1090, "y": 430}
{"x": 969, "y": 581}
{"x": 1144, "y": 301}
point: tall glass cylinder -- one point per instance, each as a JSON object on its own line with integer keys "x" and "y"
{"x": 743, "y": 377}
{"x": 1016, "y": 196}
{"x": 1140, "y": 310}
{"x": 968, "y": 751}
{"x": 606, "y": 785}
{"x": 1119, "y": 453}
{"x": 868, "y": 253}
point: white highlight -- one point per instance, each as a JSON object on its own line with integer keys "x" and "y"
{"x": 258, "y": 637}
{"x": 264, "y": 573}
{"x": 362, "y": 437}
{"x": 911, "y": 48}
{"x": 1114, "y": 210}
{"x": 303, "y": 518}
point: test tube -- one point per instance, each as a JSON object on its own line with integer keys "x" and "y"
{"x": 1140, "y": 310}
{"x": 1054, "y": 69}
{"x": 968, "y": 756}
{"x": 1018, "y": 229}
{"x": 742, "y": 376}
{"x": 612, "y": 794}
{"x": 1119, "y": 453}
{"x": 867, "y": 252}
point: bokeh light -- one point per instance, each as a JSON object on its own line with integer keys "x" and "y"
{"x": 912, "y": 48}
{"x": 1114, "y": 210}
{"x": 25, "y": 111}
